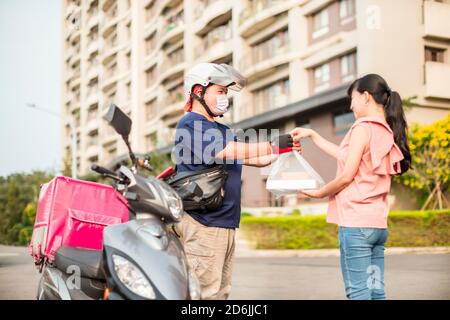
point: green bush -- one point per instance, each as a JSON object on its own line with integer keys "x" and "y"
{"x": 406, "y": 229}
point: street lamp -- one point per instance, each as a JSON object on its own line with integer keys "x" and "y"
{"x": 73, "y": 134}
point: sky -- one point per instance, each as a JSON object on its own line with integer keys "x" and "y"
{"x": 30, "y": 72}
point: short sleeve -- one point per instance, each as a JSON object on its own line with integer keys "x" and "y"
{"x": 385, "y": 154}
{"x": 199, "y": 141}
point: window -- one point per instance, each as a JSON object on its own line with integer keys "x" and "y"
{"x": 174, "y": 20}
{"x": 111, "y": 97}
{"x": 150, "y": 110}
{"x": 128, "y": 89}
{"x": 320, "y": 23}
{"x": 110, "y": 151}
{"x": 216, "y": 35}
{"x": 321, "y": 77}
{"x": 111, "y": 70}
{"x": 434, "y": 54}
{"x": 271, "y": 97}
{"x": 93, "y": 34}
{"x": 150, "y": 77}
{"x": 175, "y": 95}
{"x": 271, "y": 47}
{"x": 128, "y": 60}
{"x": 176, "y": 57}
{"x": 129, "y": 32}
{"x": 149, "y": 12}
{"x": 150, "y": 43}
{"x": 342, "y": 122}
{"x": 92, "y": 112}
{"x": 150, "y": 141}
{"x": 348, "y": 67}
{"x": 346, "y": 10}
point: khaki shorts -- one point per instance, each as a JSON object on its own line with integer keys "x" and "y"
{"x": 210, "y": 253}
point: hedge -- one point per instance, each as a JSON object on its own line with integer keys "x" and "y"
{"x": 406, "y": 229}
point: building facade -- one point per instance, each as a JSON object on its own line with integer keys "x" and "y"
{"x": 298, "y": 55}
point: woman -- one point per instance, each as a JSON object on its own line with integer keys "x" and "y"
{"x": 374, "y": 149}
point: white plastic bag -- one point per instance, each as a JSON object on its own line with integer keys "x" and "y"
{"x": 291, "y": 173}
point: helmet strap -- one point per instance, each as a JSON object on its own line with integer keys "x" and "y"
{"x": 202, "y": 101}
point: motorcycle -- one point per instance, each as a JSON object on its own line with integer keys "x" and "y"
{"x": 142, "y": 258}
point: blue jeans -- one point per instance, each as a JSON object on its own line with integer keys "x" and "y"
{"x": 362, "y": 262}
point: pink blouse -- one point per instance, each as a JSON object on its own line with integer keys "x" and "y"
{"x": 363, "y": 203}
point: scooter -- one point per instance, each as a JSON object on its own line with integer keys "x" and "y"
{"x": 142, "y": 258}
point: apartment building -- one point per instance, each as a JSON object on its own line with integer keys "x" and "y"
{"x": 299, "y": 57}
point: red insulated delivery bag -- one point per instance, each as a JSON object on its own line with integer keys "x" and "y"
{"x": 74, "y": 212}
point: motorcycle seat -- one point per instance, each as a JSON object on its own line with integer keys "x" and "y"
{"x": 89, "y": 261}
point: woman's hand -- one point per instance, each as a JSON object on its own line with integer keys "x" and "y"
{"x": 313, "y": 193}
{"x": 327, "y": 146}
{"x": 301, "y": 133}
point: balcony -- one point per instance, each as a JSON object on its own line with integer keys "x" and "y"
{"x": 211, "y": 14}
{"x": 76, "y": 80}
{"x": 173, "y": 103}
{"x": 93, "y": 123}
{"x": 110, "y": 20}
{"x": 109, "y": 136}
{"x": 94, "y": 45}
{"x": 149, "y": 28}
{"x": 93, "y": 19}
{"x": 92, "y": 149}
{"x": 258, "y": 62}
{"x": 75, "y": 35}
{"x": 71, "y": 9}
{"x": 216, "y": 44}
{"x": 93, "y": 95}
{"x": 166, "y": 137}
{"x": 172, "y": 31}
{"x": 109, "y": 80}
{"x": 260, "y": 14}
{"x": 437, "y": 79}
{"x": 174, "y": 64}
{"x": 150, "y": 14}
{"x": 436, "y": 20}
{"x": 109, "y": 48}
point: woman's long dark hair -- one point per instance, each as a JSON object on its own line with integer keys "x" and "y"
{"x": 393, "y": 111}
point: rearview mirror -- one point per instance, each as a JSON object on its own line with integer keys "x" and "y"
{"x": 118, "y": 120}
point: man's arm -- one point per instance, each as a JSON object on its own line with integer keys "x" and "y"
{"x": 240, "y": 151}
{"x": 262, "y": 161}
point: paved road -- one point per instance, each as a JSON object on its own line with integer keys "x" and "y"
{"x": 408, "y": 276}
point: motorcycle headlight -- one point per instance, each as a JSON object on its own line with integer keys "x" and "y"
{"x": 132, "y": 277}
{"x": 173, "y": 201}
{"x": 194, "y": 286}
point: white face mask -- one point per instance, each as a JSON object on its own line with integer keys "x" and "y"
{"x": 222, "y": 104}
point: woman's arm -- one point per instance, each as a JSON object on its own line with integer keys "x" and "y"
{"x": 326, "y": 146}
{"x": 357, "y": 144}
{"x": 240, "y": 150}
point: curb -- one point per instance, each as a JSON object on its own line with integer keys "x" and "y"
{"x": 255, "y": 253}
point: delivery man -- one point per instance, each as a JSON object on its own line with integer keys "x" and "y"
{"x": 200, "y": 142}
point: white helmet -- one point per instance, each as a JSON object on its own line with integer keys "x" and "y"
{"x": 205, "y": 74}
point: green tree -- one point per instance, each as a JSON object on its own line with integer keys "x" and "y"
{"x": 18, "y": 197}
{"x": 430, "y": 171}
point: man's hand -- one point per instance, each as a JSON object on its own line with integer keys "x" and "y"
{"x": 285, "y": 143}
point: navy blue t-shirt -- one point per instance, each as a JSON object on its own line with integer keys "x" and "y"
{"x": 197, "y": 142}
